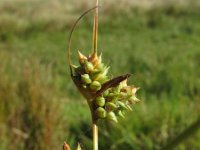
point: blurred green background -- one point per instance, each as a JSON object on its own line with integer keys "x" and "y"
{"x": 157, "y": 41}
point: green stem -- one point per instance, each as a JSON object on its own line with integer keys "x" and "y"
{"x": 184, "y": 135}
{"x": 95, "y": 28}
{"x": 95, "y": 41}
{"x": 95, "y": 136}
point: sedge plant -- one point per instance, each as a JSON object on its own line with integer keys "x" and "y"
{"x": 108, "y": 98}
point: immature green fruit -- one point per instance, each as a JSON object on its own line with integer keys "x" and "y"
{"x": 110, "y": 106}
{"x": 99, "y": 61}
{"x": 88, "y": 66}
{"x": 129, "y": 107}
{"x": 120, "y": 113}
{"x": 100, "y": 101}
{"x": 123, "y": 95}
{"x": 112, "y": 117}
{"x": 105, "y": 94}
{"x": 82, "y": 58}
{"x": 85, "y": 78}
{"x": 134, "y": 99}
{"x": 111, "y": 95}
{"x": 95, "y": 86}
{"x": 101, "y": 112}
{"x": 122, "y": 105}
{"x": 117, "y": 89}
{"x": 101, "y": 74}
{"x": 103, "y": 79}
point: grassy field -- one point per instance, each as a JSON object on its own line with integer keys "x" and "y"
{"x": 39, "y": 105}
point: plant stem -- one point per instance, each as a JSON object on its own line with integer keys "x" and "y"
{"x": 95, "y": 28}
{"x": 95, "y": 40}
{"x": 184, "y": 135}
{"x": 95, "y": 136}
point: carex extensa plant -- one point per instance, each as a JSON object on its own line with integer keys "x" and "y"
{"x": 107, "y": 97}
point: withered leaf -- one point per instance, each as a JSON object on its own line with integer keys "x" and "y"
{"x": 112, "y": 83}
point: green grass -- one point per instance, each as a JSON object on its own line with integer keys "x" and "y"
{"x": 160, "y": 47}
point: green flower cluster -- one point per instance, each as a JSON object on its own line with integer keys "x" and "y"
{"x": 106, "y": 103}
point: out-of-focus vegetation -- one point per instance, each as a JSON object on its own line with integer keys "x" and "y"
{"x": 39, "y": 105}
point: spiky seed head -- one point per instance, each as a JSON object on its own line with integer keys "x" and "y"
{"x": 92, "y": 75}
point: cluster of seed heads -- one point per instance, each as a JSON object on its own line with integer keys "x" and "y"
{"x": 106, "y": 102}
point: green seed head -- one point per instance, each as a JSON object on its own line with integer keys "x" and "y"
{"x": 82, "y": 58}
{"x": 134, "y": 99}
{"x": 122, "y": 105}
{"x": 105, "y": 94}
{"x": 100, "y": 74}
{"x": 100, "y": 101}
{"x": 103, "y": 79}
{"x": 129, "y": 107}
{"x": 95, "y": 86}
{"x": 88, "y": 66}
{"x": 85, "y": 78}
{"x": 110, "y": 106}
{"x": 101, "y": 112}
{"x": 120, "y": 113}
{"x": 112, "y": 117}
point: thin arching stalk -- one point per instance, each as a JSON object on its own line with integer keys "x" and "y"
{"x": 71, "y": 33}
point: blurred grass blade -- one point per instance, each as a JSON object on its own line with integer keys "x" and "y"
{"x": 191, "y": 130}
